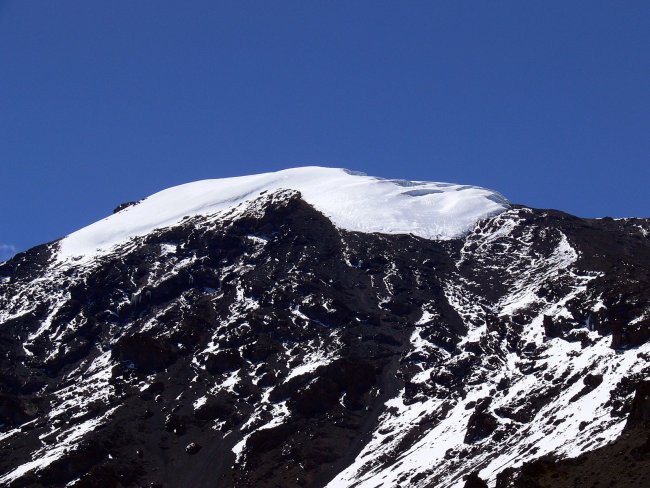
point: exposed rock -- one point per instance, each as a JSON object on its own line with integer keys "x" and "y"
{"x": 591, "y": 382}
{"x": 223, "y": 361}
{"x": 552, "y": 328}
{"x": 288, "y": 350}
{"x": 192, "y": 448}
{"x": 124, "y": 205}
{"x": 481, "y": 423}
{"x": 143, "y": 352}
{"x": 474, "y": 481}
{"x": 640, "y": 413}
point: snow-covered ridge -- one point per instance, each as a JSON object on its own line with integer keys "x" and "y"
{"x": 352, "y": 200}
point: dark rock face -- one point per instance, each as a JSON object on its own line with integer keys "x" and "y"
{"x": 640, "y": 413}
{"x": 481, "y": 424}
{"x": 192, "y": 448}
{"x": 124, "y": 205}
{"x": 269, "y": 348}
{"x": 473, "y": 480}
{"x": 143, "y": 353}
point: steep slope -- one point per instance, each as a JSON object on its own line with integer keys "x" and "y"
{"x": 263, "y": 343}
{"x": 622, "y": 462}
{"x": 548, "y": 364}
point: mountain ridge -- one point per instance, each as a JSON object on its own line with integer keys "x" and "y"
{"x": 350, "y": 199}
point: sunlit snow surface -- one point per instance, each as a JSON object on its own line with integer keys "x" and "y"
{"x": 353, "y": 201}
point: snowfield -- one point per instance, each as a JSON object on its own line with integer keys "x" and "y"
{"x": 352, "y": 201}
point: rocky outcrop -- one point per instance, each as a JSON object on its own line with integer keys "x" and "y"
{"x": 639, "y": 415}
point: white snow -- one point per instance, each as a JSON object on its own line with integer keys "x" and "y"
{"x": 44, "y": 457}
{"x": 200, "y": 402}
{"x": 353, "y": 201}
{"x": 314, "y": 361}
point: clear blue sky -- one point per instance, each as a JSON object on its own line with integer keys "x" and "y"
{"x": 107, "y": 101}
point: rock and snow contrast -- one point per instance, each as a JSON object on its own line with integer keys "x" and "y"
{"x": 319, "y": 327}
{"x": 351, "y": 200}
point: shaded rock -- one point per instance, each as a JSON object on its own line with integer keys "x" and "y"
{"x": 176, "y": 424}
{"x": 124, "y": 205}
{"x": 481, "y": 423}
{"x": 474, "y": 481}
{"x": 144, "y": 352}
{"x": 223, "y": 361}
{"x": 73, "y": 464}
{"x": 552, "y": 328}
{"x": 220, "y": 406}
{"x": 591, "y": 382}
{"x": 266, "y": 439}
{"x": 15, "y": 411}
{"x": 192, "y": 448}
{"x": 640, "y": 413}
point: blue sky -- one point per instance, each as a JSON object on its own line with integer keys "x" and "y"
{"x": 104, "y": 102}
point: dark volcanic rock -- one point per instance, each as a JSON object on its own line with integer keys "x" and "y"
{"x": 124, "y": 205}
{"x": 640, "y": 412}
{"x": 474, "y": 481}
{"x": 552, "y": 328}
{"x": 268, "y": 348}
{"x": 192, "y": 448}
{"x": 145, "y": 353}
{"x": 223, "y": 361}
{"x": 481, "y": 423}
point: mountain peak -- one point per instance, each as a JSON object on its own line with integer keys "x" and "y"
{"x": 351, "y": 200}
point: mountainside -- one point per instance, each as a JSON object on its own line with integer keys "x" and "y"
{"x": 318, "y": 327}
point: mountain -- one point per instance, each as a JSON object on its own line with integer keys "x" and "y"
{"x": 319, "y": 327}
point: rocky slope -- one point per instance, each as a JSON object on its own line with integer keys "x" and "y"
{"x": 622, "y": 462}
{"x": 263, "y": 343}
